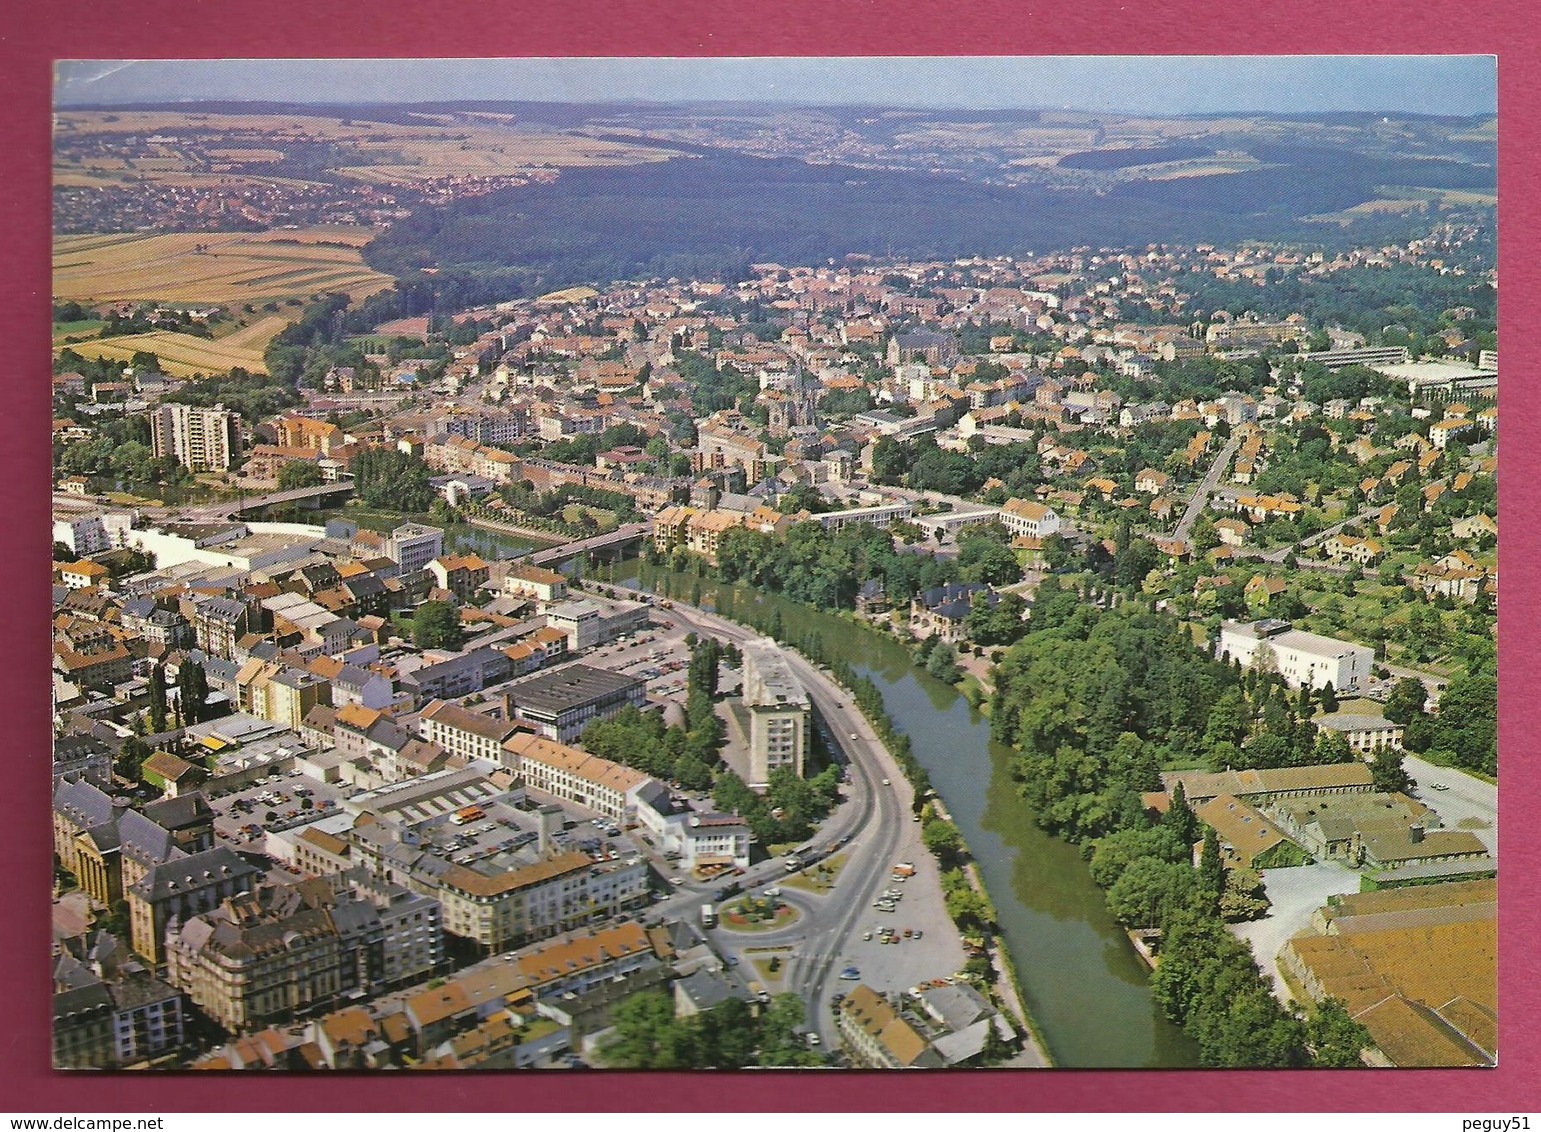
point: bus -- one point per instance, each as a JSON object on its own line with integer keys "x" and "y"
{"x": 469, "y": 813}
{"x": 708, "y": 916}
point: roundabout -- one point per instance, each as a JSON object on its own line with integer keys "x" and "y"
{"x": 759, "y": 914}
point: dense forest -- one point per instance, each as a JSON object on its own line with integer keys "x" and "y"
{"x": 711, "y": 216}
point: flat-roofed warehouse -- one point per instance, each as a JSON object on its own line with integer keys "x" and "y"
{"x": 560, "y": 703}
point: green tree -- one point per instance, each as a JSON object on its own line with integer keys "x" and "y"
{"x": 299, "y": 474}
{"x": 1407, "y": 699}
{"x": 944, "y": 841}
{"x": 1211, "y": 869}
{"x": 647, "y": 1035}
{"x": 192, "y": 691}
{"x": 1151, "y": 891}
{"x": 1179, "y": 818}
{"x": 890, "y": 461}
{"x": 781, "y": 1030}
{"x": 158, "y": 698}
{"x": 129, "y": 763}
{"x": 943, "y": 664}
{"x": 1334, "y": 1038}
{"x": 1388, "y": 773}
{"x": 436, "y": 625}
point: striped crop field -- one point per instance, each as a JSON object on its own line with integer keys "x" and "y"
{"x": 214, "y": 268}
{"x": 256, "y": 336}
{"x": 181, "y": 355}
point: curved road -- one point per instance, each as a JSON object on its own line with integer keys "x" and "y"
{"x": 873, "y": 818}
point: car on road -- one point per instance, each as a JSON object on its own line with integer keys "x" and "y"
{"x": 866, "y": 935}
{"x": 676, "y": 881}
{"x": 854, "y": 736}
{"x": 885, "y": 782}
{"x": 1439, "y": 786}
{"x": 850, "y": 974}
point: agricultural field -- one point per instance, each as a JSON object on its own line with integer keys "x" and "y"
{"x": 181, "y": 355}
{"x": 214, "y": 268}
{"x": 174, "y": 148}
{"x": 253, "y": 337}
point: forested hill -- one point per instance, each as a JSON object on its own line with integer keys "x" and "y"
{"x": 711, "y": 216}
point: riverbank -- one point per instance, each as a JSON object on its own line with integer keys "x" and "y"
{"x": 512, "y": 529}
{"x": 1008, "y": 991}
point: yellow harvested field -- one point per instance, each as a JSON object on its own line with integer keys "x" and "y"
{"x": 256, "y": 336}
{"x": 217, "y": 268}
{"x": 181, "y": 355}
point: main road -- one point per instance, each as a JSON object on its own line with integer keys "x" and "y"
{"x": 873, "y": 822}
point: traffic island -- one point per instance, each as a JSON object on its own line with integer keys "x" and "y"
{"x": 758, "y": 914}
{"x": 817, "y": 879}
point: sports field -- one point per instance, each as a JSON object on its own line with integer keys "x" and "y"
{"x": 214, "y": 268}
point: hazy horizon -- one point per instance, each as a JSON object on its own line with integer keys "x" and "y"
{"x": 1458, "y": 86}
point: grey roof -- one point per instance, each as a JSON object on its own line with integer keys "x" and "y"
{"x": 957, "y": 1005}
{"x": 364, "y": 585}
{"x": 81, "y": 1000}
{"x": 705, "y": 988}
{"x": 183, "y": 810}
{"x": 72, "y": 748}
{"x": 486, "y": 659}
{"x": 140, "y": 607}
{"x": 222, "y": 608}
{"x": 353, "y": 917}
{"x": 570, "y": 686}
{"x": 655, "y": 795}
{"x": 139, "y": 989}
{"x": 192, "y": 872}
{"x": 104, "y": 837}
{"x": 144, "y": 840}
{"x": 71, "y": 974}
{"x": 84, "y": 804}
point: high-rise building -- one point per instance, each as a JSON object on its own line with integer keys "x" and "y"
{"x": 413, "y": 545}
{"x": 201, "y": 440}
{"x": 778, "y": 712}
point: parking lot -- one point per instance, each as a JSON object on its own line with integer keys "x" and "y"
{"x": 244, "y": 817}
{"x": 1294, "y": 895}
{"x": 658, "y": 655}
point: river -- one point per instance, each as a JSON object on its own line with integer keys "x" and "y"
{"x": 1084, "y": 986}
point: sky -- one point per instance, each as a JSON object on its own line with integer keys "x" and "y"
{"x": 1449, "y": 84}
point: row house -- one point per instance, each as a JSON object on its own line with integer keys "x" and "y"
{"x": 573, "y": 775}
{"x": 461, "y": 575}
{"x": 180, "y": 888}
{"x": 507, "y": 909}
{"x": 111, "y": 1013}
{"x": 1027, "y": 518}
{"x": 460, "y": 731}
{"x": 458, "y": 455}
